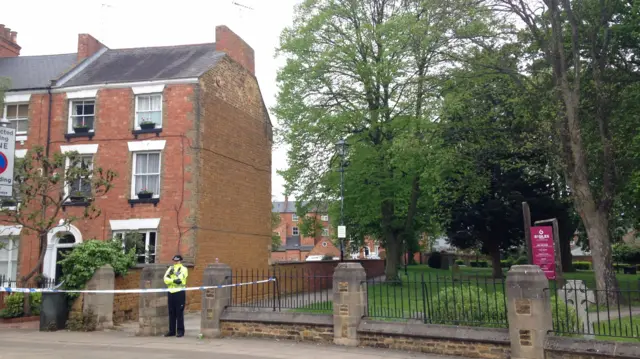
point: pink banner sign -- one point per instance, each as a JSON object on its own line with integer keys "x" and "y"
{"x": 544, "y": 254}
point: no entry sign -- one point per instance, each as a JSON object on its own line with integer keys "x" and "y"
{"x": 7, "y": 152}
{"x": 544, "y": 254}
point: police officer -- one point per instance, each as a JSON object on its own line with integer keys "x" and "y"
{"x": 176, "y": 280}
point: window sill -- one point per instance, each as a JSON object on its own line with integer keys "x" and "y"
{"x": 69, "y": 136}
{"x": 141, "y": 266}
{"x": 157, "y": 131}
{"x": 153, "y": 201}
{"x": 9, "y": 208}
{"x": 85, "y": 203}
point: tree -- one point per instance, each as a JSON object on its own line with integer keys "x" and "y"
{"x": 43, "y": 185}
{"x": 498, "y": 159}
{"x": 587, "y": 45}
{"x": 276, "y": 241}
{"x": 366, "y": 72}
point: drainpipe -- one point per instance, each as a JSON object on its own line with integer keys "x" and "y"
{"x": 46, "y": 153}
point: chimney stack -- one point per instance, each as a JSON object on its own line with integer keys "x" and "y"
{"x": 8, "y": 42}
{"x": 236, "y": 48}
{"x": 87, "y": 46}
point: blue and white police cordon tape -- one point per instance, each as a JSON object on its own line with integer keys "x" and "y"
{"x": 122, "y": 291}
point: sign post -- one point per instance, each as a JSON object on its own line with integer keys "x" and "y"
{"x": 545, "y": 244}
{"x": 7, "y": 155}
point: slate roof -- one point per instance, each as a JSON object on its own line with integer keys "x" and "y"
{"x": 148, "y": 64}
{"x": 30, "y": 72}
{"x": 279, "y": 207}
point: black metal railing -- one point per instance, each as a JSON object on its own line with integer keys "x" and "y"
{"x": 292, "y": 290}
{"x": 579, "y": 310}
{"x": 434, "y": 299}
{"x": 42, "y": 282}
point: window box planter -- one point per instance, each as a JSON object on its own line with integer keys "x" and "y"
{"x": 145, "y": 195}
{"x": 78, "y": 197}
{"x": 147, "y": 125}
{"x": 81, "y": 129}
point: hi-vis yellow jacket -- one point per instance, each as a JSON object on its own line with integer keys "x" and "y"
{"x": 176, "y": 271}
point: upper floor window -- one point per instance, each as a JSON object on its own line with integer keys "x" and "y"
{"x": 295, "y": 231}
{"x": 82, "y": 116}
{"x": 18, "y": 114}
{"x": 149, "y": 111}
{"x": 294, "y": 217}
{"x": 82, "y": 185}
{"x": 325, "y": 232}
{"x": 146, "y": 173}
{"x": 324, "y": 217}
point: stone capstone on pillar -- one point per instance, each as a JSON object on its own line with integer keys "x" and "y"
{"x": 154, "y": 309}
{"x": 214, "y": 301}
{"x": 528, "y": 311}
{"x": 349, "y": 302}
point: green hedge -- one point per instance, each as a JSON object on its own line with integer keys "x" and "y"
{"x": 479, "y": 264}
{"x": 506, "y": 263}
{"x": 579, "y": 265}
{"x": 14, "y": 307}
{"x": 459, "y": 262}
{"x": 521, "y": 260}
{"x": 473, "y": 306}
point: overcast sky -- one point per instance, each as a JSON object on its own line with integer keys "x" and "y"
{"x": 52, "y": 27}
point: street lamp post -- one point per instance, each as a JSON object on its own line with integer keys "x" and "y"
{"x": 342, "y": 146}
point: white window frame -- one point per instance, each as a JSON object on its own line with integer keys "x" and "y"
{"x": 67, "y": 187}
{"x": 6, "y": 111}
{"x": 295, "y": 229}
{"x": 294, "y": 217}
{"x": 325, "y": 232}
{"x": 136, "y": 119}
{"x": 134, "y": 194}
{"x": 324, "y": 218}
{"x": 146, "y": 254}
{"x": 13, "y": 245}
{"x": 70, "y": 119}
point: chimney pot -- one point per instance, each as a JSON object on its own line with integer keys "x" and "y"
{"x": 14, "y": 37}
{"x": 8, "y": 42}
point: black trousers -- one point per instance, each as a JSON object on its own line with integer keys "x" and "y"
{"x": 176, "y": 312}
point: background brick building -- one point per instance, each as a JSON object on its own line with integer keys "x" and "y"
{"x": 207, "y": 157}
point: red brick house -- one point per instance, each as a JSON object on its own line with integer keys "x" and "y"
{"x": 206, "y": 155}
{"x": 295, "y": 247}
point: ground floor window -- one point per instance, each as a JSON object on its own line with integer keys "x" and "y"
{"x": 144, "y": 241}
{"x": 8, "y": 261}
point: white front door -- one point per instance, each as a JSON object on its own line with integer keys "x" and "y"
{"x": 61, "y": 241}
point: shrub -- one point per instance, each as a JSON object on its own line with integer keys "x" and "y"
{"x": 80, "y": 265}
{"x": 459, "y": 262}
{"x": 479, "y": 264}
{"x": 14, "y": 305}
{"x": 435, "y": 260}
{"x": 626, "y": 253}
{"x": 521, "y": 260}
{"x": 506, "y": 263}
{"x": 467, "y": 305}
{"x": 474, "y": 306}
{"x": 580, "y": 265}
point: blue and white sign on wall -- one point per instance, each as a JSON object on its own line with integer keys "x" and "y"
{"x": 7, "y": 155}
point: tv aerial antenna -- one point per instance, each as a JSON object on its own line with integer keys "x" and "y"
{"x": 241, "y": 8}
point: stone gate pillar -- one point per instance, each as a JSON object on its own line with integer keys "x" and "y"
{"x": 528, "y": 311}
{"x": 214, "y": 301}
{"x": 349, "y": 302}
{"x": 154, "y": 308}
{"x": 101, "y": 305}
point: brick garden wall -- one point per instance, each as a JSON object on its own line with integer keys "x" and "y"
{"x": 288, "y": 326}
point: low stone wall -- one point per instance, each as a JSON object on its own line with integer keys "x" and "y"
{"x": 571, "y": 348}
{"x": 288, "y": 326}
{"x": 436, "y": 339}
{"x": 126, "y": 306}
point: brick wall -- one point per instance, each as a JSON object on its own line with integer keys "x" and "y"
{"x": 126, "y": 306}
{"x": 234, "y": 168}
{"x": 113, "y": 124}
{"x": 288, "y": 326}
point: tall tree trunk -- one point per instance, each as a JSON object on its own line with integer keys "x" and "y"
{"x": 393, "y": 256}
{"x": 494, "y": 252}
{"x": 597, "y": 228}
{"x": 565, "y": 254}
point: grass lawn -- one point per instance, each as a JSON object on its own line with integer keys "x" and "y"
{"x": 628, "y": 327}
